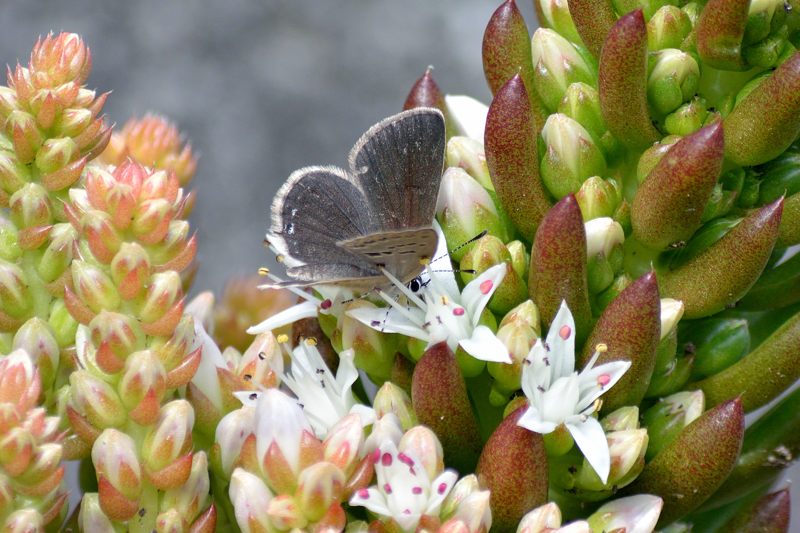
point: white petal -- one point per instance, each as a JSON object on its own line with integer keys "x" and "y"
{"x": 346, "y": 373}
{"x": 374, "y": 501}
{"x": 635, "y": 514}
{"x": 468, "y": 115}
{"x": 365, "y": 413}
{"x": 446, "y": 480}
{"x": 477, "y": 293}
{"x": 591, "y": 440}
{"x": 210, "y": 359}
{"x": 280, "y": 420}
{"x": 249, "y": 398}
{"x": 532, "y": 420}
{"x": 485, "y": 345}
{"x": 590, "y": 383}
{"x": 387, "y": 322}
{"x": 307, "y": 309}
{"x": 441, "y": 268}
{"x": 561, "y": 340}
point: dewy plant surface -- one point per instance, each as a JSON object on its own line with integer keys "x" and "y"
{"x": 547, "y": 312}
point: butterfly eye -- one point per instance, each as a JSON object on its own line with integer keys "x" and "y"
{"x": 415, "y": 284}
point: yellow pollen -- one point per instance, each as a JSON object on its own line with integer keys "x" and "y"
{"x": 263, "y": 271}
{"x": 283, "y": 338}
{"x": 424, "y": 260}
{"x": 598, "y": 403}
{"x": 602, "y": 347}
{"x": 311, "y": 341}
{"x": 444, "y": 300}
{"x": 279, "y": 258}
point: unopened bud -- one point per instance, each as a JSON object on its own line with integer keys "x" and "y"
{"x": 55, "y": 154}
{"x": 464, "y": 209}
{"x": 96, "y": 400}
{"x": 36, "y": 338}
{"x": 94, "y": 288}
{"x": 668, "y": 27}
{"x": 688, "y": 118}
{"x": 130, "y": 270}
{"x": 30, "y": 206}
{"x": 673, "y": 79}
{"x": 598, "y": 198}
{"x": 467, "y": 153}
{"x": 671, "y": 313}
{"x": 556, "y": 65}
{"x": 164, "y": 290}
{"x": 633, "y": 513}
{"x": 319, "y": 486}
{"x": 520, "y": 258}
{"x": 251, "y": 499}
{"x": 392, "y": 399}
{"x": 571, "y": 156}
{"x": 543, "y": 518}
{"x": 374, "y": 351}
{"x": 557, "y": 16}
{"x": 667, "y": 418}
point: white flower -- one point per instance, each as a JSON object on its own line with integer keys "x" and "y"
{"x": 404, "y": 491}
{"x": 467, "y": 114}
{"x": 329, "y": 302}
{"x": 325, "y": 399}
{"x": 442, "y": 313}
{"x": 560, "y": 395}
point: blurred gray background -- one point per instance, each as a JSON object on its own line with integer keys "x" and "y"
{"x": 262, "y": 88}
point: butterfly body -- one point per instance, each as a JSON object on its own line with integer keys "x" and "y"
{"x": 346, "y": 227}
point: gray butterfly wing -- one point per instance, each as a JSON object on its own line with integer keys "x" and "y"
{"x": 312, "y": 212}
{"x": 398, "y": 166}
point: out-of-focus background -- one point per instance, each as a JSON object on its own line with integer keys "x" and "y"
{"x": 262, "y": 87}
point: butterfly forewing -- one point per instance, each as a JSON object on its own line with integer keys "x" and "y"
{"x": 316, "y": 208}
{"x": 403, "y": 252}
{"x": 398, "y": 165}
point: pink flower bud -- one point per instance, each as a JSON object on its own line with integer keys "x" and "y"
{"x": 30, "y": 206}
{"x": 190, "y": 498}
{"x": 102, "y": 237}
{"x": 14, "y": 290}
{"x": 36, "y": 338}
{"x": 55, "y": 153}
{"x": 151, "y": 220}
{"x": 115, "y": 336}
{"x": 74, "y": 121}
{"x": 343, "y": 443}
{"x": 91, "y": 516}
{"x": 170, "y": 440}
{"x": 232, "y": 431}
{"x": 115, "y": 459}
{"x": 420, "y": 442}
{"x": 23, "y": 521}
{"x": 319, "y": 486}
{"x": 22, "y": 129}
{"x": 58, "y": 254}
{"x": 13, "y": 174}
{"x": 285, "y": 513}
{"x": 250, "y": 498}
{"x": 142, "y": 386}
{"x": 130, "y": 270}
{"x": 60, "y": 59}
{"x": 163, "y": 292}
{"x": 94, "y": 288}
{"x": 96, "y": 400}
{"x": 19, "y": 381}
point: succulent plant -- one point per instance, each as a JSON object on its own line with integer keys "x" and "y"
{"x": 616, "y": 286}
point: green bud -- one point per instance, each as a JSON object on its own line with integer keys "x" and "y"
{"x": 374, "y": 351}
{"x": 668, "y": 27}
{"x": 627, "y": 449}
{"x": 14, "y": 294}
{"x": 582, "y": 104}
{"x": 9, "y": 240}
{"x": 598, "y": 198}
{"x": 392, "y": 399}
{"x": 467, "y": 153}
{"x": 571, "y": 156}
{"x": 30, "y": 206}
{"x": 484, "y": 254}
{"x": 760, "y": 17}
{"x": 58, "y": 254}
{"x": 768, "y": 52}
{"x": 604, "y": 298}
{"x": 667, "y": 418}
{"x": 38, "y": 341}
{"x": 13, "y": 174}
{"x": 688, "y": 118}
{"x": 520, "y": 258}
{"x": 781, "y": 176}
{"x": 556, "y": 64}
{"x": 716, "y": 343}
{"x": 707, "y": 235}
{"x": 651, "y": 157}
{"x": 55, "y": 154}
{"x": 518, "y": 330}
{"x": 62, "y": 323}
{"x": 465, "y": 209}
{"x": 556, "y": 15}
{"x": 672, "y": 79}
{"x": 626, "y": 417}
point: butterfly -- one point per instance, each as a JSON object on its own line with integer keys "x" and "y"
{"x": 361, "y": 227}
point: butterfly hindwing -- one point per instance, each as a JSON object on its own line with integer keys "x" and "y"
{"x": 401, "y": 252}
{"x": 398, "y": 165}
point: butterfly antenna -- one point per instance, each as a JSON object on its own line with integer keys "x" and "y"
{"x": 463, "y": 244}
